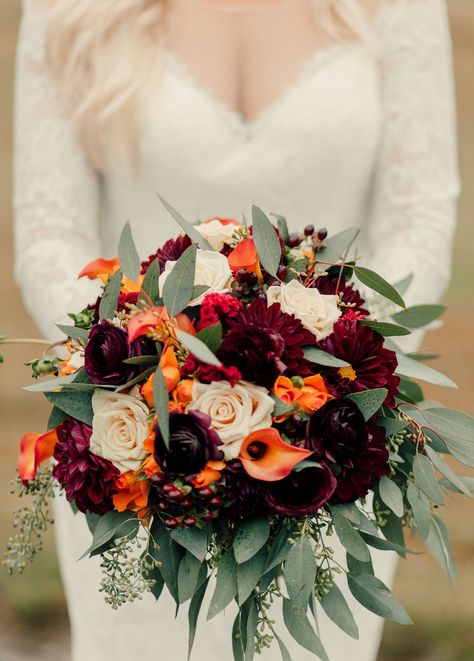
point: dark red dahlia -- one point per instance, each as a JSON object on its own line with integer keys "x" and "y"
{"x": 169, "y": 252}
{"x": 263, "y": 342}
{"x": 333, "y": 285}
{"x": 87, "y": 479}
{"x": 360, "y": 475}
{"x": 303, "y": 492}
{"x": 371, "y": 364}
{"x": 244, "y": 495}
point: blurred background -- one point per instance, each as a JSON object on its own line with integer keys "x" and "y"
{"x": 33, "y": 619}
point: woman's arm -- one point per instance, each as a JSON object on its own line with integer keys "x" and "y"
{"x": 417, "y": 179}
{"x": 55, "y": 190}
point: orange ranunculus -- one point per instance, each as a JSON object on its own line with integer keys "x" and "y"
{"x": 265, "y": 455}
{"x": 156, "y": 319}
{"x": 245, "y": 256}
{"x": 182, "y": 395}
{"x": 100, "y": 268}
{"x": 34, "y": 449}
{"x": 209, "y": 474}
{"x": 313, "y": 394}
{"x": 132, "y": 493}
{"x": 150, "y": 467}
{"x": 169, "y": 367}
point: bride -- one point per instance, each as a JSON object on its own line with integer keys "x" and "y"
{"x": 336, "y": 113}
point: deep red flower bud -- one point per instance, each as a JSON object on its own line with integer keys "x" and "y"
{"x": 322, "y": 233}
{"x": 209, "y": 516}
{"x": 171, "y": 522}
{"x": 309, "y": 230}
{"x": 294, "y": 240}
{"x": 215, "y": 502}
{"x": 186, "y": 504}
{"x": 189, "y": 521}
{"x": 207, "y": 492}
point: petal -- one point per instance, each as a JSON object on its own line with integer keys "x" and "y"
{"x": 143, "y": 322}
{"x": 277, "y": 460}
{"x": 244, "y": 256}
{"x": 100, "y": 267}
{"x": 34, "y": 449}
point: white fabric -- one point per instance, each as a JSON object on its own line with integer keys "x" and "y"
{"x": 361, "y": 137}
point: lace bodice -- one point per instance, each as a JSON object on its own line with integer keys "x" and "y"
{"x": 362, "y": 136}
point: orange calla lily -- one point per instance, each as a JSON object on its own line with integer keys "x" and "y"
{"x": 34, "y": 449}
{"x": 156, "y": 319}
{"x": 209, "y": 474}
{"x": 245, "y": 256}
{"x": 100, "y": 268}
{"x": 265, "y": 455}
{"x": 132, "y": 493}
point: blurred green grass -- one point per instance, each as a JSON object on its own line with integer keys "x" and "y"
{"x": 32, "y": 608}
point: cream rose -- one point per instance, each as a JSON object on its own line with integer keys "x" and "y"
{"x": 317, "y": 312}
{"x": 212, "y": 270}
{"x": 216, "y": 232}
{"x": 235, "y": 411}
{"x": 119, "y": 428}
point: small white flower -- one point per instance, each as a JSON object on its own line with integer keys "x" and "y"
{"x": 119, "y": 428}
{"x": 212, "y": 270}
{"x": 235, "y": 411}
{"x": 317, "y": 312}
{"x": 217, "y": 232}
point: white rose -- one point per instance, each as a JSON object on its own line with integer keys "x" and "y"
{"x": 317, "y": 312}
{"x": 217, "y": 232}
{"x": 235, "y": 411}
{"x": 119, "y": 428}
{"x": 212, "y": 270}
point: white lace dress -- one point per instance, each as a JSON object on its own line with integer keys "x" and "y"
{"x": 361, "y": 137}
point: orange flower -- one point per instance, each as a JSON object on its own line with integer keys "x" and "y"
{"x": 169, "y": 367}
{"x": 132, "y": 493}
{"x": 150, "y": 467}
{"x": 311, "y": 395}
{"x": 245, "y": 256}
{"x": 265, "y": 455}
{"x": 34, "y": 449}
{"x": 100, "y": 268}
{"x": 131, "y": 286}
{"x": 157, "y": 320}
{"x": 209, "y": 474}
{"x": 182, "y": 395}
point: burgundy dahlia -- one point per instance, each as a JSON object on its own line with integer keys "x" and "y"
{"x": 192, "y": 443}
{"x": 337, "y": 432}
{"x": 106, "y": 349}
{"x": 371, "y": 365}
{"x": 365, "y": 468}
{"x": 244, "y": 495}
{"x": 263, "y": 342}
{"x": 303, "y": 492}
{"x": 169, "y": 252}
{"x": 87, "y": 479}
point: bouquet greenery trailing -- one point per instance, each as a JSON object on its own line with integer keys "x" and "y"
{"x": 228, "y": 405}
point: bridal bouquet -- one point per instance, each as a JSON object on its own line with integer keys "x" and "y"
{"x": 227, "y": 406}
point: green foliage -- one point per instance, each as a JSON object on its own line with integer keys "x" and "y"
{"x": 211, "y": 336}
{"x": 128, "y": 254}
{"x": 161, "y": 401}
{"x": 375, "y": 282}
{"x": 75, "y": 333}
{"x": 150, "y": 292}
{"x": 195, "y": 540}
{"x": 226, "y": 584}
{"x": 266, "y": 241}
{"x": 110, "y": 527}
{"x": 377, "y": 598}
{"x": 337, "y": 248}
{"x": 178, "y": 286}
{"x": 195, "y": 346}
{"x": 419, "y": 315}
{"x": 349, "y": 537}
{"x": 108, "y": 303}
{"x": 413, "y": 369}
{"x": 369, "y": 401}
{"x": 336, "y": 608}
{"x": 321, "y": 357}
{"x": 188, "y": 228}
{"x": 391, "y": 495}
{"x": 300, "y": 571}
{"x": 386, "y": 329}
{"x": 250, "y": 537}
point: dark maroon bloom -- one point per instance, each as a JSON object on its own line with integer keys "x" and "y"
{"x": 365, "y": 469}
{"x": 337, "y": 431}
{"x": 371, "y": 365}
{"x": 303, "y": 492}
{"x": 107, "y": 348}
{"x": 332, "y": 285}
{"x": 263, "y": 342}
{"x": 192, "y": 443}
{"x": 245, "y": 496}
{"x": 87, "y": 479}
{"x": 124, "y": 299}
{"x": 170, "y": 252}
{"x": 206, "y": 373}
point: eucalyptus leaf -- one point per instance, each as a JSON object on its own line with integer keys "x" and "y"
{"x": 249, "y": 538}
{"x": 420, "y": 508}
{"x": 249, "y": 573}
{"x": 369, "y": 401}
{"x": 127, "y": 254}
{"x": 391, "y": 495}
{"x": 382, "y": 544}
{"x": 419, "y": 315}
{"x": 150, "y": 291}
{"x": 285, "y": 655}
{"x": 50, "y": 385}
{"x": 75, "y": 333}
{"x": 179, "y": 283}
{"x": 76, "y": 404}
{"x": 143, "y": 361}
{"x": 425, "y": 479}
{"x": 298, "y": 625}
{"x": 445, "y": 470}
{"x": 168, "y": 554}
{"x": 440, "y": 546}
{"x": 56, "y": 417}
{"x": 279, "y": 549}
{"x": 226, "y": 584}
{"x": 452, "y": 423}
{"x": 266, "y": 241}
{"x": 386, "y": 329}
{"x": 375, "y": 282}
{"x": 467, "y": 480}
{"x": 337, "y": 246}
{"x": 188, "y": 228}
{"x": 161, "y": 401}
{"x": 282, "y": 226}
{"x": 391, "y": 425}
{"x": 211, "y": 336}
{"x": 193, "y": 539}
{"x": 113, "y": 525}
{"x": 415, "y": 370}
{"x": 349, "y": 537}
{"x": 252, "y": 624}
{"x": 140, "y": 377}
{"x": 109, "y": 300}
{"x": 321, "y": 357}
{"x": 195, "y": 346}
{"x": 377, "y": 598}
{"x": 336, "y": 608}
{"x": 188, "y": 574}
{"x": 300, "y": 570}
{"x": 193, "y": 613}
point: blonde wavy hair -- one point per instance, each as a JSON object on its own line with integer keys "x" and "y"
{"x": 105, "y": 55}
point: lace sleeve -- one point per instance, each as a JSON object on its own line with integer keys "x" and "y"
{"x": 417, "y": 181}
{"x": 55, "y": 190}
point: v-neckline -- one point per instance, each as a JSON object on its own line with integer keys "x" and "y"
{"x": 248, "y": 128}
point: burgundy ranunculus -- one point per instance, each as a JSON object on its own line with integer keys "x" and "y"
{"x": 365, "y": 469}
{"x": 106, "y": 349}
{"x": 337, "y": 431}
{"x": 87, "y": 479}
{"x": 303, "y": 492}
{"x": 263, "y": 342}
{"x": 192, "y": 444}
{"x": 170, "y": 251}
{"x": 371, "y": 364}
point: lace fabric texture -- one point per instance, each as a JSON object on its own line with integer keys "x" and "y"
{"x": 363, "y": 137}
